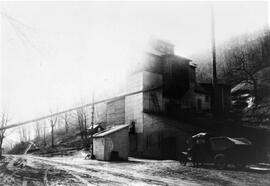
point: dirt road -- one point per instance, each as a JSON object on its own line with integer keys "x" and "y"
{"x": 32, "y": 170}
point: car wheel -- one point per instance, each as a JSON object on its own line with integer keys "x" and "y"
{"x": 220, "y": 161}
{"x": 183, "y": 160}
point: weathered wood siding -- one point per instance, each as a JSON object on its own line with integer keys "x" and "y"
{"x": 116, "y": 112}
{"x": 98, "y": 147}
{"x": 119, "y": 142}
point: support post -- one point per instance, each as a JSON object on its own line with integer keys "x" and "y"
{"x": 92, "y": 125}
{"x": 214, "y": 78}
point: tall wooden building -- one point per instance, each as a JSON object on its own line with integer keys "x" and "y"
{"x": 153, "y": 133}
{"x": 155, "y": 130}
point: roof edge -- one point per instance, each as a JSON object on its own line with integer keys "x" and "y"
{"x": 109, "y": 131}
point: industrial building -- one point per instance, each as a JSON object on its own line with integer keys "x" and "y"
{"x": 167, "y": 87}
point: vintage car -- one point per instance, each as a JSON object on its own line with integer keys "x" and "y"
{"x": 204, "y": 148}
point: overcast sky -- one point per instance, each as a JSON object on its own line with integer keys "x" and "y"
{"x": 54, "y": 53}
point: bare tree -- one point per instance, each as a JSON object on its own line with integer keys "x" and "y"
{"x": 44, "y": 134}
{"x": 23, "y": 134}
{"x": 28, "y": 135}
{"x": 38, "y": 131}
{"x": 4, "y": 122}
{"x": 53, "y": 121}
{"x": 66, "y": 120}
{"x": 246, "y": 58}
{"x": 20, "y": 133}
{"x": 82, "y": 122}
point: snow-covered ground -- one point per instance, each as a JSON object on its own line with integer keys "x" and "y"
{"x": 75, "y": 170}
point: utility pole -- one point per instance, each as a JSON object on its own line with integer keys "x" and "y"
{"x": 44, "y": 135}
{"x": 213, "y": 47}
{"x": 214, "y": 78}
{"x": 92, "y": 125}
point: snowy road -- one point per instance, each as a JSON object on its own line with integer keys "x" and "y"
{"x": 33, "y": 170}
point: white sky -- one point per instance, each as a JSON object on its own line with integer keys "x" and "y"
{"x": 54, "y": 52}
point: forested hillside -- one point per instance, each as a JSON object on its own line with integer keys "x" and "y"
{"x": 244, "y": 63}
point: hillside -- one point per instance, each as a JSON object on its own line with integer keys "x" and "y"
{"x": 244, "y": 63}
{"x": 64, "y": 143}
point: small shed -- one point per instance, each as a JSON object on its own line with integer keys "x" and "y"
{"x": 112, "y": 144}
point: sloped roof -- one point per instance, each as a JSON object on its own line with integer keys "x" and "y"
{"x": 177, "y": 57}
{"x": 109, "y": 131}
{"x": 243, "y": 86}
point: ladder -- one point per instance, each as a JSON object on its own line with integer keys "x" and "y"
{"x": 154, "y": 99}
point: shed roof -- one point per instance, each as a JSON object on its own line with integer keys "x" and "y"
{"x": 109, "y": 131}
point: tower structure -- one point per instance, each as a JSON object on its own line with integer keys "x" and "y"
{"x": 172, "y": 81}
